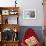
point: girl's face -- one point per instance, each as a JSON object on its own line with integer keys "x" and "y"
{"x": 31, "y": 41}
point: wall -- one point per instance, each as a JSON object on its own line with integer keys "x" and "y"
{"x": 7, "y": 3}
{"x": 27, "y": 4}
{"x": 32, "y": 4}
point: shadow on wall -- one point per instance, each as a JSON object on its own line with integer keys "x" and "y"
{"x": 37, "y": 29}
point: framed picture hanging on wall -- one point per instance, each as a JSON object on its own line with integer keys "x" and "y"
{"x": 29, "y": 14}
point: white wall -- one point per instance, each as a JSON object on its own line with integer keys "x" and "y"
{"x": 7, "y": 3}
{"x": 32, "y": 4}
{"x": 27, "y": 4}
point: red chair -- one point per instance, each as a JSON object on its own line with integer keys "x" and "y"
{"x": 29, "y": 33}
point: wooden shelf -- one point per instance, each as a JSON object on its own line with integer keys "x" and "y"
{"x": 8, "y": 8}
{"x": 5, "y": 25}
{"x": 11, "y": 26}
{"x": 9, "y": 43}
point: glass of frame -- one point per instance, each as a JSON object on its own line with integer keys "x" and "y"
{"x": 5, "y": 12}
{"x": 29, "y": 14}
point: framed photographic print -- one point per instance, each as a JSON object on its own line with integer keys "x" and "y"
{"x": 29, "y": 14}
{"x": 5, "y": 12}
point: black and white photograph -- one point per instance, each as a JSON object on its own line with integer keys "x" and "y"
{"x": 29, "y": 14}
